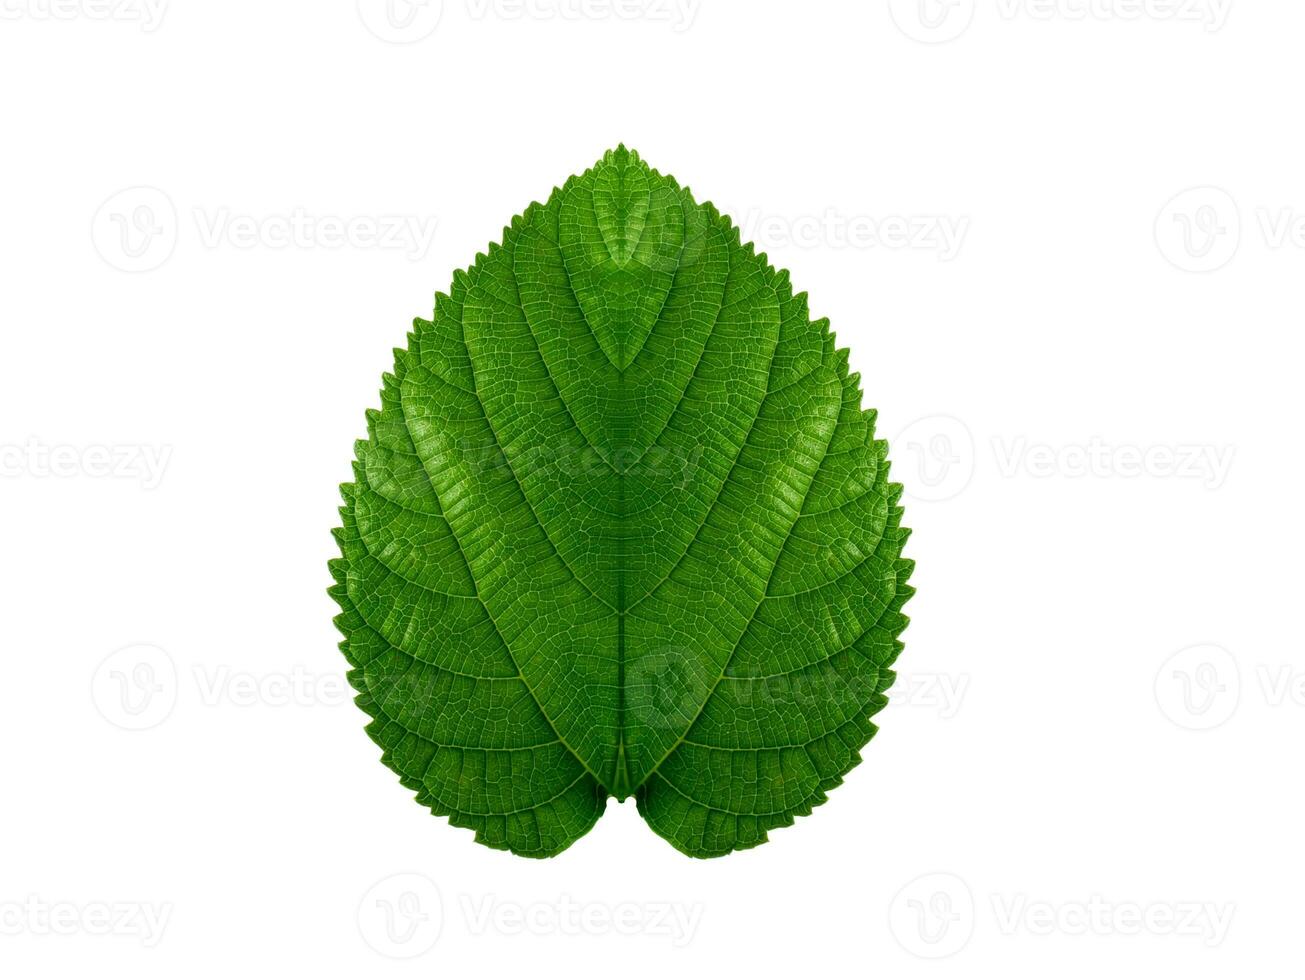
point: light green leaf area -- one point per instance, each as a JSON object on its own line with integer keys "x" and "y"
{"x": 621, "y": 528}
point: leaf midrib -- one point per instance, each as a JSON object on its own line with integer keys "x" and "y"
{"x": 620, "y": 785}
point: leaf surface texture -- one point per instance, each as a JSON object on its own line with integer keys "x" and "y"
{"x": 621, "y": 527}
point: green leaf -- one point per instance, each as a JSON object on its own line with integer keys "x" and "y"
{"x": 621, "y": 527}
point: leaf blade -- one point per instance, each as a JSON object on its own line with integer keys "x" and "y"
{"x": 621, "y": 527}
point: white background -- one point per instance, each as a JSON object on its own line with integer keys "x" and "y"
{"x": 1095, "y": 392}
